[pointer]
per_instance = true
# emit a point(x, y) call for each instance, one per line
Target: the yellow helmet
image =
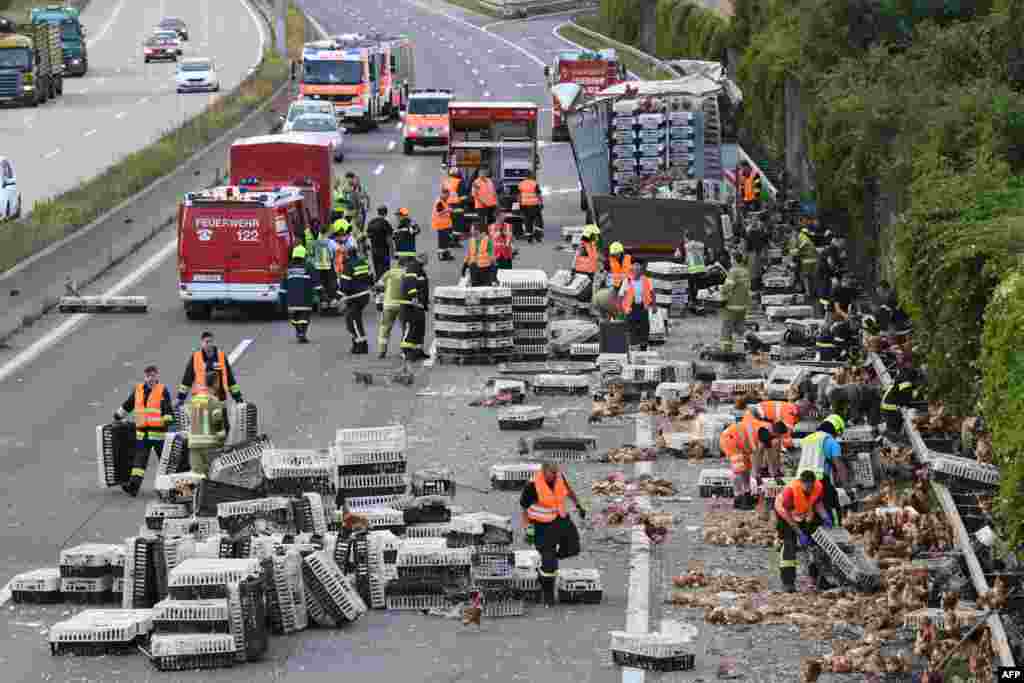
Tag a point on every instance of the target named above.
point(837, 422)
point(616, 248)
point(591, 229)
point(340, 225)
point(299, 252)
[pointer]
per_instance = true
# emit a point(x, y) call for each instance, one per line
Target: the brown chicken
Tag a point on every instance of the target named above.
point(472, 613)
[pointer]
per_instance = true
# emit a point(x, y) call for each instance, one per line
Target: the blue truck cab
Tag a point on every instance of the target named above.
point(76, 58)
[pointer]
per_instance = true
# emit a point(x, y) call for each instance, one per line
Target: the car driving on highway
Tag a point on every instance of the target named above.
point(174, 24)
point(10, 198)
point(159, 49)
point(301, 107)
point(197, 74)
point(323, 127)
point(170, 36)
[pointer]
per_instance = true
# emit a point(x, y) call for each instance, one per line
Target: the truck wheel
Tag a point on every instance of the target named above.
point(197, 311)
point(407, 148)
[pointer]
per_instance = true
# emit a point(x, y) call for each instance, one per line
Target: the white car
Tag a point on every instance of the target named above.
point(10, 198)
point(168, 36)
point(324, 127)
point(197, 74)
point(300, 107)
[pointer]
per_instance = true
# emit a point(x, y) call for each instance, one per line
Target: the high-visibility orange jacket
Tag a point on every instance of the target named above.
point(441, 218)
point(586, 258)
point(779, 411)
point(480, 251)
point(739, 441)
point(484, 196)
point(529, 193)
point(453, 184)
point(795, 505)
point(627, 296)
point(748, 188)
point(550, 503)
point(195, 375)
point(620, 268)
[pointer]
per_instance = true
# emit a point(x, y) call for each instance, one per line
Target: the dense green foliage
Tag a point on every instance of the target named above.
point(685, 28)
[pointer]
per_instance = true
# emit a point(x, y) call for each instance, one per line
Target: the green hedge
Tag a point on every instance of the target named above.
point(1002, 362)
point(685, 30)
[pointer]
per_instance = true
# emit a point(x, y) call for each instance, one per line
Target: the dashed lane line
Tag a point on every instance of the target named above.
point(379, 169)
point(89, 133)
point(50, 155)
point(392, 145)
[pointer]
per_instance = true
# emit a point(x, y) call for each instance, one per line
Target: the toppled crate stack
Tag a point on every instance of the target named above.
point(847, 560)
point(191, 651)
point(115, 450)
point(521, 418)
point(529, 289)
point(98, 632)
point(479, 529)
point(653, 651)
point(566, 333)
point(513, 476)
point(715, 483)
point(382, 549)
point(425, 568)
point(669, 280)
point(39, 586)
point(560, 449)
point(526, 578)
point(241, 465)
point(86, 573)
point(144, 574)
point(174, 455)
point(570, 292)
point(371, 462)
point(157, 512)
point(209, 494)
point(963, 473)
point(192, 616)
point(293, 472)
point(237, 519)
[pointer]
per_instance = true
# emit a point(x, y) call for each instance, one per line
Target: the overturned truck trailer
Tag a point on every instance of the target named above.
point(649, 158)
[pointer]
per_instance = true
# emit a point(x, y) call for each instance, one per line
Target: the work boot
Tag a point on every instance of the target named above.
point(788, 588)
point(133, 486)
point(303, 339)
point(547, 586)
point(383, 353)
point(362, 347)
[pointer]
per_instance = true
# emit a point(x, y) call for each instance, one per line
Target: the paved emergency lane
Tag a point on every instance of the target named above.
point(123, 104)
point(305, 394)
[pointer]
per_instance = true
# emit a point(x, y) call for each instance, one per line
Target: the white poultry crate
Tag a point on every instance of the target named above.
point(410, 555)
point(206, 614)
point(560, 384)
point(673, 391)
point(190, 651)
point(521, 417)
point(864, 471)
point(36, 586)
point(963, 471)
point(428, 530)
point(521, 278)
point(513, 475)
point(782, 379)
point(280, 463)
point(382, 517)
point(333, 590)
point(780, 299)
point(371, 439)
point(88, 559)
point(725, 388)
point(373, 481)
point(196, 572)
point(198, 527)
point(286, 600)
point(101, 631)
point(174, 487)
point(653, 651)
point(358, 503)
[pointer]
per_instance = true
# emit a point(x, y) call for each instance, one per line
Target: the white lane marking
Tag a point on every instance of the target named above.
point(398, 125)
point(89, 133)
point(638, 602)
point(259, 28)
point(50, 155)
point(475, 72)
point(392, 145)
point(237, 352)
point(62, 330)
point(143, 100)
point(379, 169)
point(467, 24)
point(120, 115)
point(106, 27)
point(458, 54)
point(562, 190)
point(101, 81)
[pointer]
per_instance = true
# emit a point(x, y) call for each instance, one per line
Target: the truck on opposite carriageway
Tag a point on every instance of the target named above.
point(31, 63)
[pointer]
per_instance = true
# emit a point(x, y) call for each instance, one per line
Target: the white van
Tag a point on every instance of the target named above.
point(10, 198)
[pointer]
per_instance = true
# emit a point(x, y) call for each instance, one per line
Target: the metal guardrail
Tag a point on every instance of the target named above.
point(524, 8)
point(963, 539)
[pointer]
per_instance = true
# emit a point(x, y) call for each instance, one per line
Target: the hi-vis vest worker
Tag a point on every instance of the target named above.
point(207, 421)
point(529, 194)
point(619, 265)
point(148, 415)
point(779, 411)
point(484, 196)
point(739, 441)
point(480, 252)
point(441, 218)
point(586, 258)
point(550, 503)
point(748, 188)
point(452, 184)
point(628, 297)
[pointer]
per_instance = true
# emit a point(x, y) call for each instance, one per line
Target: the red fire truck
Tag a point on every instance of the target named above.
point(592, 72)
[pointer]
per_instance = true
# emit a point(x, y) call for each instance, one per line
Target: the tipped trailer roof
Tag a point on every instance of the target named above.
point(694, 85)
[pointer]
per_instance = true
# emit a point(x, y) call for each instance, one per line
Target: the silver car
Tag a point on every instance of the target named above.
point(324, 127)
point(197, 74)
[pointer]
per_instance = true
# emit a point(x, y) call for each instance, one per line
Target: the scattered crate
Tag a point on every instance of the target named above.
point(245, 424)
point(864, 471)
point(241, 465)
point(646, 374)
point(92, 591)
point(433, 482)
point(428, 530)
point(103, 304)
point(427, 510)
point(937, 617)
point(202, 579)
point(652, 651)
point(89, 560)
point(101, 632)
point(479, 528)
point(178, 487)
point(585, 351)
point(333, 591)
point(156, 513)
point(296, 471)
point(174, 456)
point(426, 556)
point(582, 586)
point(39, 586)
point(572, 385)
point(513, 476)
point(564, 448)
point(309, 514)
point(715, 483)
point(419, 603)
point(382, 518)
point(361, 485)
point(366, 502)
point(247, 606)
point(673, 391)
point(390, 439)
point(521, 418)
point(851, 564)
point(612, 363)
point(236, 517)
point(115, 450)
point(786, 312)
point(963, 472)
point(192, 616)
point(727, 388)
point(199, 528)
point(177, 550)
point(782, 379)
point(189, 651)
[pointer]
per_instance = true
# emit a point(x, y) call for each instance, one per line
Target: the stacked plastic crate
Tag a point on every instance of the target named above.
point(331, 596)
point(489, 538)
point(499, 325)
point(513, 476)
point(426, 570)
point(529, 290)
point(214, 615)
point(569, 291)
point(670, 288)
point(623, 144)
point(458, 321)
point(115, 449)
point(652, 143)
point(86, 573)
point(371, 465)
point(99, 632)
point(241, 465)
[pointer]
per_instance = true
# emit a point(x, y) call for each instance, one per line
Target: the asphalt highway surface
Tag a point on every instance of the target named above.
point(304, 393)
point(122, 104)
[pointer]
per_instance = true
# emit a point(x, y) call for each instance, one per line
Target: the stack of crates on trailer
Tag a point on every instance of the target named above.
point(623, 144)
point(286, 593)
point(569, 385)
point(835, 549)
point(685, 143)
point(241, 465)
point(671, 291)
point(568, 291)
point(529, 311)
point(652, 142)
point(521, 418)
point(426, 568)
point(371, 462)
point(86, 573)
point(433, 482)
point(579, 586)
point(715, 483)
point(653, 651)
point(563, 449)
point(98, 632)
point(293, 472)
point(963, 473)
point(39, 586)
point(115, 450)
point(513, 476)
point(499, 328)
point(458, 321)
point(783, 380)
point(245, 424)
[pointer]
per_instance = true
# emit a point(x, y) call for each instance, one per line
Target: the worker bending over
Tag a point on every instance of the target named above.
point(355, 284)
point(150, 404)
point(820, 453)
point(208, 424)
point(744, 443)
point(299, 290)
point(800, 504)
point(547, 524)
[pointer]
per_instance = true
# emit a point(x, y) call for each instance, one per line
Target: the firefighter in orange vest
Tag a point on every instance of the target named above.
point(795, 510)
point(782, 411)
point(501, 236)
point(202, 360)
point(441, 220)
point(530, 205)
point(458, 191)
point(637, 296)
point(485, 197)
point(547, 524)
point(619, 267)
point(743, 444)
point(150, 403)
point(586, 257)
point(479, 258)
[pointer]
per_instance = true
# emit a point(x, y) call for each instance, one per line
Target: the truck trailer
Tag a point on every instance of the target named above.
point(74, 49)
point(31, 64)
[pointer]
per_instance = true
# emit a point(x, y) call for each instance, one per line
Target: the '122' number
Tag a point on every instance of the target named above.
point(248, 235)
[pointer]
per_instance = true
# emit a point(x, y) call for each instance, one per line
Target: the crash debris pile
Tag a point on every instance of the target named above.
point(617, 485)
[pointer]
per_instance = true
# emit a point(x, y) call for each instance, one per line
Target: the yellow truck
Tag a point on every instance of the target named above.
point(31, 64)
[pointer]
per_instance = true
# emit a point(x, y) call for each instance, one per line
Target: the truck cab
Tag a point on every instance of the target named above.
point(234, 243)
point(396, 73)
point(75, 49)
point(426, 119)
point(30, 70)
point(345, 70)
point(591, 71)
